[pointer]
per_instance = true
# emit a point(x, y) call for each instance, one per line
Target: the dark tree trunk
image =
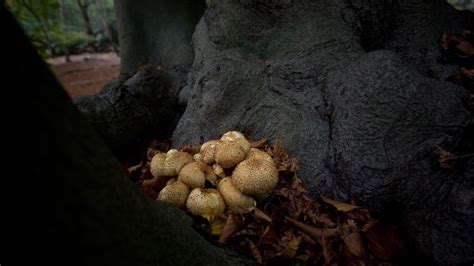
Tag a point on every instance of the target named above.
point(84, 7)
point(156, 32)
point(93, 214)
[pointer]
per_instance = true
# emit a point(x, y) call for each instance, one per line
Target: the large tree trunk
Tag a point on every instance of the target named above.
point(156, 32)
point(355, 90)
point(93, 214)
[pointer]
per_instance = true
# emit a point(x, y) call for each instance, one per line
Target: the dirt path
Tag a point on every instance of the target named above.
point(86, 74)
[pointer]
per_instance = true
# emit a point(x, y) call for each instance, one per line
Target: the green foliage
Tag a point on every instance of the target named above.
point(57, 26)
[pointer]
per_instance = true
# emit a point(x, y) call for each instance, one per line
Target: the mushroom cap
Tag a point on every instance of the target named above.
point(239, 137)
point(229, 154)
point(208, 151)
point(157, 165)
point(255, 177)
point(169, 164)
point(175, 161)
point(259, 154)
point(201, 199)
point(192, 175)
point(234, 199)
point(175, 193)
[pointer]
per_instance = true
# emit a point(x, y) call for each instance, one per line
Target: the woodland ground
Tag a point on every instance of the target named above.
point(85, 74)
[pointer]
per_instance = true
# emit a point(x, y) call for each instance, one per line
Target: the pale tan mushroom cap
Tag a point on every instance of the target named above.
point(175, 161)
point(201, 199)
point(255, 177)
point(208, 151)
point(259, 154)
point(229, 154)
point(192, 175)
point(157, 165)
point(239, 137)
point(169, 164)
point(175, 193)
point(234, 199)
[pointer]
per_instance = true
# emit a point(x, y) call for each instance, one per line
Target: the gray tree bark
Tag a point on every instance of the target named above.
point(156, 32)
point(356, 92)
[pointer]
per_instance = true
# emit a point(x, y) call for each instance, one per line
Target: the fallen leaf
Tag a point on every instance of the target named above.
point(355, 243)
point(255, 252)
point(383, 241)
point(326, 251)
point(217, 226)
point(259, 143)
point(230, 227)
point(340, 206)
point(466, 49)
point(261, 216)
point(445, 158)
point(314, 232)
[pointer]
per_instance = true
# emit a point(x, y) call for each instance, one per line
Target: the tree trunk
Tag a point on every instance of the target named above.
point(156, 32)
point(84, 7)
point(94, 215)
point(356, 91)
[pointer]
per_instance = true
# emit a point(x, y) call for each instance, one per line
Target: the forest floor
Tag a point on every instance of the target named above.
point(85, 74)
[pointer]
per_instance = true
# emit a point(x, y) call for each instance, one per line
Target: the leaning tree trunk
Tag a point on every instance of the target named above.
point(355, 90)
point(92, 213)
point(156, 32)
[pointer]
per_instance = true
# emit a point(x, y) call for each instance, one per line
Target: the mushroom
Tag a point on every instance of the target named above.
point(239, 137)
point(229, 154)
point(175, 193)
point(218, 170)
point(169, 164)
point(255, 177)
point(259, 154)
point(208, 151)
point(234, 199)
point(195, 174)
point(203, 199)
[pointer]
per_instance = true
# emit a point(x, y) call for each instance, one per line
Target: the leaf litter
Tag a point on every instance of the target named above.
point(288, 227)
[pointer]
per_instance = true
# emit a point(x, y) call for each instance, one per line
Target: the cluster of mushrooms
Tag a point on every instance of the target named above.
point(242, 175)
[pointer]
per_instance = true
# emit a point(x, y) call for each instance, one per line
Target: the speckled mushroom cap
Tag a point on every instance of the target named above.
point(239, 137)
point(157, 165)
point(208, 151)
point(229, 154)
point(259, 154)
point(175, 193)
point(201, 199)
point(169, 164)
point(234, 199)
point(255, 177)
point(192, 175)
point(195, 174)
point(175, 161)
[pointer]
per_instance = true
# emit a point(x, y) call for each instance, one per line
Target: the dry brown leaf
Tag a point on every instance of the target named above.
point(326, 251)
point(259, 143)
point(230, 227)
point(290, 246)
point(446, 158)
point(314, 232)
point(255, 252)
point(466, 48)
point(321, 218)
point(340, 206)
point(383, 241)
point(355, 243)
point(260, 216)
point(467, 73)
